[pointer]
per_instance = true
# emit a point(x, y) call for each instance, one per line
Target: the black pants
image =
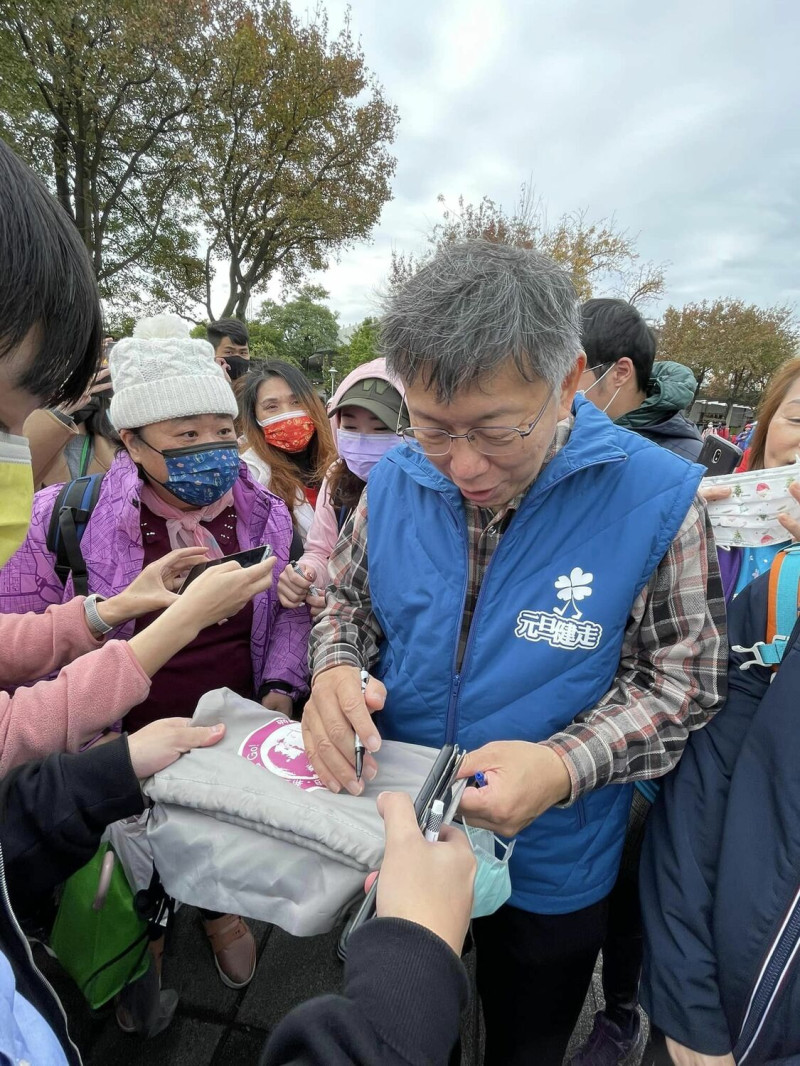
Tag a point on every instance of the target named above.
point(622, 948)
point(533, 973)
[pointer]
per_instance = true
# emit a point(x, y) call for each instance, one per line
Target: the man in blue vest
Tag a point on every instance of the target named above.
point(527, 579)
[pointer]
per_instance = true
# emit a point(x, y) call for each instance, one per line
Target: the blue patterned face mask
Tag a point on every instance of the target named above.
point(201, 473)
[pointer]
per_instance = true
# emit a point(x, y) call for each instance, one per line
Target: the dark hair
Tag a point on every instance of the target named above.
point(614, 329)
point(227, 327)
point(286, 475)
point(46, 284)
point(344, 487)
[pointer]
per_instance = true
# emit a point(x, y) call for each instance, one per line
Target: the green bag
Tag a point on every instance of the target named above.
point(100, 942)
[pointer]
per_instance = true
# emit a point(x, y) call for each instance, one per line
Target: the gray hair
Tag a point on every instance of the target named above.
point(473, 307)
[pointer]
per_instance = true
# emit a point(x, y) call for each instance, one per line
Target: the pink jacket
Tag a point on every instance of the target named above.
point(87, 696)
point(324, 530)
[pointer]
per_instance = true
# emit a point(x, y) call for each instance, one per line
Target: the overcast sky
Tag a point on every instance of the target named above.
point(679, 118)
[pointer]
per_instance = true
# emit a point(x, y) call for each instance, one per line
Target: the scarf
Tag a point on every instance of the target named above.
point(184, 527)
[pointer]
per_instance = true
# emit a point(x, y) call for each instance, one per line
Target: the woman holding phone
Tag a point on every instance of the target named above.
point(177, 482)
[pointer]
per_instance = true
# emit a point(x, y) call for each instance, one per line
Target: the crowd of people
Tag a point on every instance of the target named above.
point(496, 535)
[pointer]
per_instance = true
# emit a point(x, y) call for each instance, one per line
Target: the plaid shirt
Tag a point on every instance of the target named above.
point(673, 663)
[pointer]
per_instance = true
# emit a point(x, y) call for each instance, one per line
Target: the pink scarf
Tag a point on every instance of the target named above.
point(183, 527)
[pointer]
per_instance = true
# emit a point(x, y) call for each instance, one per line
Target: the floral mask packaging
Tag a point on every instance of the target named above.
point(748, 518)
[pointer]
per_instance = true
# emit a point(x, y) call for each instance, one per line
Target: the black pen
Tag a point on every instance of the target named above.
point(359, 745)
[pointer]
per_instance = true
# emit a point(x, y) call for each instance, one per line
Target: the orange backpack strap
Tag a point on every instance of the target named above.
point(782, 610)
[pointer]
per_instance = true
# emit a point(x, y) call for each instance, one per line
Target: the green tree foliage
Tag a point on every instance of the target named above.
point(295, 330)
point(731, 347)
point(599, 256)
point(292, 144)
point(96, 96)
point(154, 121)
point(362, 346)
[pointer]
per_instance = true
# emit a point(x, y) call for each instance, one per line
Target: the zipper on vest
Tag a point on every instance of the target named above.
point(451, 722)
point(452, 714)
point(38, 973)
point(781, 956)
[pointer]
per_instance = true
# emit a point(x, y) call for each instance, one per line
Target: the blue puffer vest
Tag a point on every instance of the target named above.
point(545, 639)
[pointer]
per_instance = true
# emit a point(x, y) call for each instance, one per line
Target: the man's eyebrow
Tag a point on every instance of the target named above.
point(499, 412)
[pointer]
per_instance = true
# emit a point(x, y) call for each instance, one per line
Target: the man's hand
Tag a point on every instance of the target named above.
point(153, 589)
point(683, 1056)
point(161, 743)
point(522, 781)
point(792, 525)
point(335, 712)
point(278, 701)
point(421, 881)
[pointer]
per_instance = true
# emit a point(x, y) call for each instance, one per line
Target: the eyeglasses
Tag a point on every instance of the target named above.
point(488, 440)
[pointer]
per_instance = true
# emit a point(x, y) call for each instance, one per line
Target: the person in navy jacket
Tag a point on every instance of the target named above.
point(720, 880)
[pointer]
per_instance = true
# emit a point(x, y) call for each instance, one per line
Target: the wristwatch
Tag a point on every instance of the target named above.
point(96, 623)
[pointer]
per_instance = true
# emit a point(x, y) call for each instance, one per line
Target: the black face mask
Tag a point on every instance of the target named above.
point(237, 366)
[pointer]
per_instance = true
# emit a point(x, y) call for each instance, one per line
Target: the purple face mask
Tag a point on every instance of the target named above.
point(361, 451)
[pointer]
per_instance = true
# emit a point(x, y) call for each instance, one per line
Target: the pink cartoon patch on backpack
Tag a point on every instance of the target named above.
point(278, 747)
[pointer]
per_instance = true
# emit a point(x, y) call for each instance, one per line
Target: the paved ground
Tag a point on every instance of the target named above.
point(216, 1026)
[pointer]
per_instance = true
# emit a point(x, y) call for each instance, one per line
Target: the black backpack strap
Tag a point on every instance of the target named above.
point(71, 512)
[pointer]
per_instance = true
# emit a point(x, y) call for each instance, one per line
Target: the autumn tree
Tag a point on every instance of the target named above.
point(599, 256)
point(96, 96)
point(293, 146)
point(732, 348)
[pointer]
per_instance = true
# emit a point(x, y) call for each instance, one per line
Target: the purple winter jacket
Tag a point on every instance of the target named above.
point(113, 550)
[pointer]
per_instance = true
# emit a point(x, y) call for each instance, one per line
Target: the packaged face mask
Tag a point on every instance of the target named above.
point(748, 518)
point(492, 876)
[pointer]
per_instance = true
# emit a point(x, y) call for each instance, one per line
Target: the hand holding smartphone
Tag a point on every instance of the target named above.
point(719, 456)
point(249, 557)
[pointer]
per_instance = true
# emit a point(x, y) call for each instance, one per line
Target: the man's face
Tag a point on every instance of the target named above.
point(227, 349)
point(504, 399)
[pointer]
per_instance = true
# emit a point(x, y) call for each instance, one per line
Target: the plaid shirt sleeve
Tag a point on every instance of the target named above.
point(672, 676)
point(347, 632)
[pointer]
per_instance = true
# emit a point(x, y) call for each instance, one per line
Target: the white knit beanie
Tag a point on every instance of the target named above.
point(161, 372)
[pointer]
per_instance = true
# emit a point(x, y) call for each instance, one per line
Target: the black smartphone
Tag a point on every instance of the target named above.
point(439, 780)
point(719, 456)
point(249, 557)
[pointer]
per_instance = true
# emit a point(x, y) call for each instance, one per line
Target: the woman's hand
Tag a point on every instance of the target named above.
point(222, 591)
point(789, 523)
point(711, 493)
point(100, 383)
point(316, 605)
point(161, 743)
point(424, 882)
point(154, 589)
point(218, 593)
point(292, 587)
point(278, 701)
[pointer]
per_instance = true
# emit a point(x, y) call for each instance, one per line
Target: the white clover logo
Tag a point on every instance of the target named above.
point(573, 589)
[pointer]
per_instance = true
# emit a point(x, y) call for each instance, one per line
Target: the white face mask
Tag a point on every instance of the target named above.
point(748, 518)
point(585, 392)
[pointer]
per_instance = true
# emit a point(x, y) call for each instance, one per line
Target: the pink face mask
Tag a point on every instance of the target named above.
point(361, 451)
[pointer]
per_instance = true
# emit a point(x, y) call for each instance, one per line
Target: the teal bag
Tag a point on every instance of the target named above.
point(98, 937)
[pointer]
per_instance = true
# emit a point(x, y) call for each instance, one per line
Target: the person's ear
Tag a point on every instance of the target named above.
point(569, 386)
point(622, 373)
point(133, 446)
